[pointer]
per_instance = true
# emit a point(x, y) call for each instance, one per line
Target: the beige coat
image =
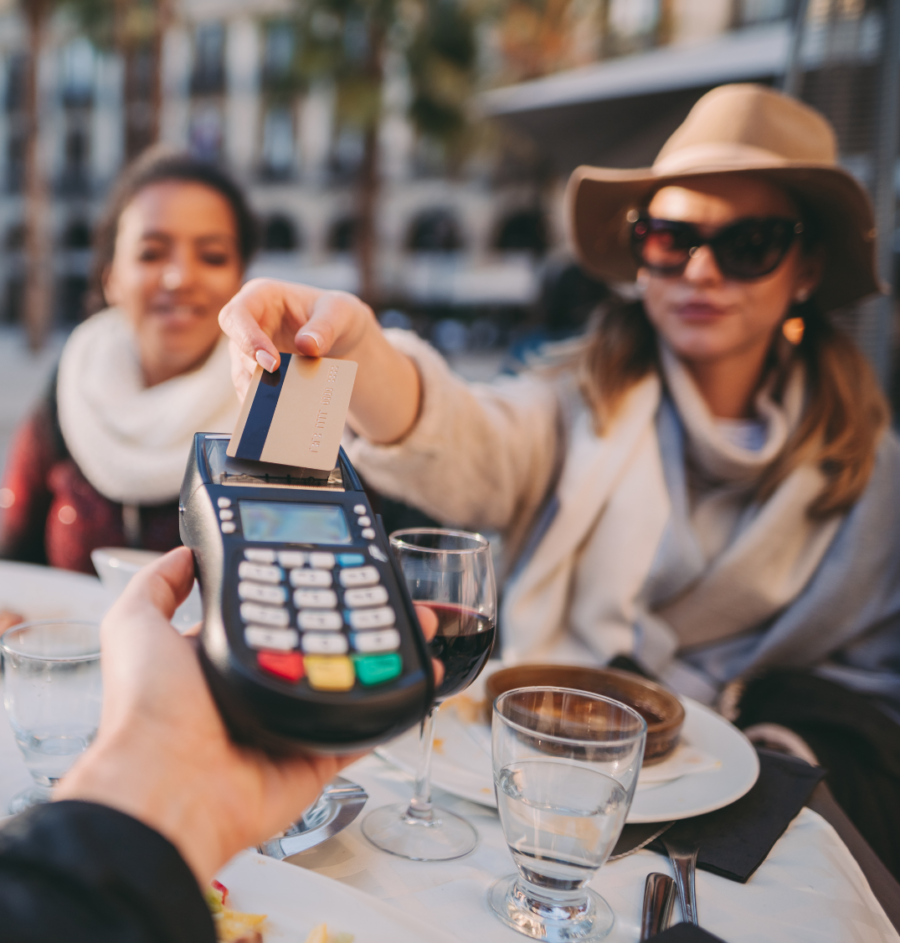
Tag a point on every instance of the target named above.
point(487, 457)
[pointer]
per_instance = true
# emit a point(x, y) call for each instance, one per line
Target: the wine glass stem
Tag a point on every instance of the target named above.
point(420, 807)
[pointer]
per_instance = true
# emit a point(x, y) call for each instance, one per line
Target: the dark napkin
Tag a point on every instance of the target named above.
point(735, 841)
point(686, 933)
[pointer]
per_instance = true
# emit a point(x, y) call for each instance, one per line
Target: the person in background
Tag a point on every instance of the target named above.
point(708, 489)
point(100, 461)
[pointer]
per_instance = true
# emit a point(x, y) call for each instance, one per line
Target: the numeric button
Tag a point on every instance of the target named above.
point(264, 615)
point(373, 596)
point(261, 592)
point(371, 618)
point(359, 576)
point(315, 598)
point(387, 640)
point(332, 643)
point(279, 640)
point(320, 619)
point(310, 578)
point(262, 574)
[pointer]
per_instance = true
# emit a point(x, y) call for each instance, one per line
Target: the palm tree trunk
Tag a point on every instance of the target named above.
point(142, 99)
point(163, 17)
point(368, 202)
point(38, 276)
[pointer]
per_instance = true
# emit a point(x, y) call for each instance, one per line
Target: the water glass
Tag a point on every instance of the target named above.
point(52, 693)
point(565, 769)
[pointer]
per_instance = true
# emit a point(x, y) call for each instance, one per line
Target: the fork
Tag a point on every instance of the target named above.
point(683, 855)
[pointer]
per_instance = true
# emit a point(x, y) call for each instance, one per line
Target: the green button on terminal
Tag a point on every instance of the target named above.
point(376, 669)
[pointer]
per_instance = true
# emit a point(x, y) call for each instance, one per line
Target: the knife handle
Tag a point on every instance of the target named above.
point(659, 898)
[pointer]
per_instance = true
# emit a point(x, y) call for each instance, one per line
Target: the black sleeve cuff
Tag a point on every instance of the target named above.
point(79, 871)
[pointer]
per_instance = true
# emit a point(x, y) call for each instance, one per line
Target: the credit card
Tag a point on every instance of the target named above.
point(295, 416)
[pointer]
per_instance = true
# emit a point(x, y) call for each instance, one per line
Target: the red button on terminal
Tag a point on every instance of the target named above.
point(286, 665)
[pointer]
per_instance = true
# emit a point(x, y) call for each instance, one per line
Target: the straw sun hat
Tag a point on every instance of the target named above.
point(736, 129)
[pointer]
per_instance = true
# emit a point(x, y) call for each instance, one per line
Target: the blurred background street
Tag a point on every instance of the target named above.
point(415, 152)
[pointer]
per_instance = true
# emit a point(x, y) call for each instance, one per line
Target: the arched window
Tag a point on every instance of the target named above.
point(435, 231)
point(15, 238)
point(522, 231)
point(77, 235)
point(344, 234)
point(280, 234)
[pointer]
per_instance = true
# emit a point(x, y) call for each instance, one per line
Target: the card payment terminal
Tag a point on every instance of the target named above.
point(309, 637)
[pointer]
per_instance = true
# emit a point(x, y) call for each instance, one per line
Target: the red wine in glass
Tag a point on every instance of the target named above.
point(463, 644)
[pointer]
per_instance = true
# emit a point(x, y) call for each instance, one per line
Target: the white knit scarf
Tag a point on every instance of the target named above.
point(131, 442)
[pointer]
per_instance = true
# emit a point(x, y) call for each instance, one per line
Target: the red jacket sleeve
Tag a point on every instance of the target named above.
point(25, 495)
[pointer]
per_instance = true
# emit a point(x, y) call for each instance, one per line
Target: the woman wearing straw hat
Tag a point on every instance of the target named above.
point(705, 485)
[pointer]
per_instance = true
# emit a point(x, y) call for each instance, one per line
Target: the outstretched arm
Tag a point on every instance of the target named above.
point(268, 316)
point(162, 753)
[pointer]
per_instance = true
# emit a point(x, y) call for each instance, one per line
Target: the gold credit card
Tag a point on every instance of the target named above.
point(295, 416)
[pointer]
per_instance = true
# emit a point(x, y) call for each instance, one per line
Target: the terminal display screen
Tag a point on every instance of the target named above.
point(279, 522)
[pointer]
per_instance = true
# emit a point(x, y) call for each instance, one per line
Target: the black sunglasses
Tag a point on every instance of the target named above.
point(745, 250)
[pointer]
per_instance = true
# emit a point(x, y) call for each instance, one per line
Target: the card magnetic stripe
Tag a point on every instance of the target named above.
point(259, 419)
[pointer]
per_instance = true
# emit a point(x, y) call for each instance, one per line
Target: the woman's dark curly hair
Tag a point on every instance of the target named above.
point(156, 165)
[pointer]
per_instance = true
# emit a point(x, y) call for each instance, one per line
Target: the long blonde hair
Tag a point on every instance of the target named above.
point(845, 416)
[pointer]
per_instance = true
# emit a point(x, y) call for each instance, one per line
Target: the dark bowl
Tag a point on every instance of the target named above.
point(660, 708)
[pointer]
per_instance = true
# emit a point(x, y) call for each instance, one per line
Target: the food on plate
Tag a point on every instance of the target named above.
point(320, 934)
point(8, 619)
point(470, 710)
point(232, 926)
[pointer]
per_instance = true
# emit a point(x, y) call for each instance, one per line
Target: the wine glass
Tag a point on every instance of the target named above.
point(450, 572)
point(565, 769)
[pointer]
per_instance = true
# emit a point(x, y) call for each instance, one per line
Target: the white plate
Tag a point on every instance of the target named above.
point(461, 765)
point(296, 900)
point(42, 592)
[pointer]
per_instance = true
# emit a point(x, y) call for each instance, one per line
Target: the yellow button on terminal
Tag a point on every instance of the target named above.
point(329, 673)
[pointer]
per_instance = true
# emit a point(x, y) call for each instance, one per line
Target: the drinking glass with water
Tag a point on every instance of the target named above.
point(565, 769)
point(52, 693)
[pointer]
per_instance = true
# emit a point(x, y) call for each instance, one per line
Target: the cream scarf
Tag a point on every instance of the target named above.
point(132, 442)
point(657, 544)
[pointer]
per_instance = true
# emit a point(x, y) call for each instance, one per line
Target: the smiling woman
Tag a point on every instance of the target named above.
point(100, 462)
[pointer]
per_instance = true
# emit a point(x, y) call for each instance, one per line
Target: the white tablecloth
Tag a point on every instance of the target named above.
point(809, 889)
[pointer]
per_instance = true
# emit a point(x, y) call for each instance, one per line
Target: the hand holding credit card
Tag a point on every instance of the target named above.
point(295, 415)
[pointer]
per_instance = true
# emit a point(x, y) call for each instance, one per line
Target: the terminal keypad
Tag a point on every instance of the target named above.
point(319, 618)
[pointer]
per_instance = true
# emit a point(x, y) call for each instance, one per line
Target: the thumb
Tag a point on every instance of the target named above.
point(164, 584)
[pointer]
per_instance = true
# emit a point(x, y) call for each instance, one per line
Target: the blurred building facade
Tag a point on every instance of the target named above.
point(602, 81)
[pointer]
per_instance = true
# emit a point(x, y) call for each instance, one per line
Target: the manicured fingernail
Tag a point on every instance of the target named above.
point(266, 360)
point(314, 338)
